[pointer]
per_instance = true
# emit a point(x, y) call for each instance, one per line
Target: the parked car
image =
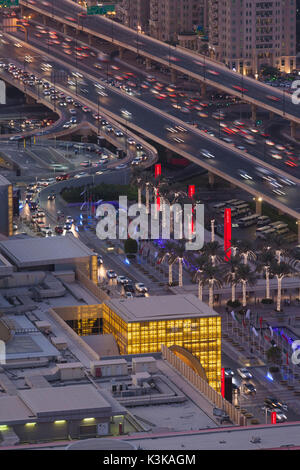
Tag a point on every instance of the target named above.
point(111, 274)
point(140, 287)
point(249, 389)
point(244, 373)
point(59, 230)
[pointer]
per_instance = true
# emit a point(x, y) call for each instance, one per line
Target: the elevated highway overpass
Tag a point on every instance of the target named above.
point(152, 123)
point(207, 71)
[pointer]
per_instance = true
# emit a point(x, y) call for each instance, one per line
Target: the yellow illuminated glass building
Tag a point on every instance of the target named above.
point(141, 325)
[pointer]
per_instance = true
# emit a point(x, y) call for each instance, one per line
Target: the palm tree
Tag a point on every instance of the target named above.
point(165, 253)
point(177, 255)
point(245, 276)
point(279, 246)
point(137, 179)
point(214, 251)
point(231, 266)
point(201, 261)
point(265, 259)
point(211, 276)
point(280, 271)
point(245, 248)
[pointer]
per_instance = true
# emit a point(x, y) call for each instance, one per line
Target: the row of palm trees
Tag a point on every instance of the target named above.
point(270, 258)
point(169, 195)
point(242, 268)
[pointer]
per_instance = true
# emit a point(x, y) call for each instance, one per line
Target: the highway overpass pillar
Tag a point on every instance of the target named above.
point(173, 76)
point(90, 39)
point(44, 20)
point(65, 28)
point(211, 179)
point(22, 11)
point(271, 115)
point(148, 63)
point(30, 100)
point(258, 204)
point(203, 90)
point(293, 129)
point(121, 52)
point(253, 112)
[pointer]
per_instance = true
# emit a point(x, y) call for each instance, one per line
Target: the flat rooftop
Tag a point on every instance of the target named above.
point(162, 307)
point(69, 400)
point(27, 252)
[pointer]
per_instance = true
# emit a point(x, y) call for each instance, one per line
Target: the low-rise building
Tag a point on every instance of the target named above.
point(142, 325)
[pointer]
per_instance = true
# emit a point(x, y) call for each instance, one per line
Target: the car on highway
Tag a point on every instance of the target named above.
point(244, 373)
point(81, 174)
point(122, 279)
point(280, 415)
point(130, 141)
point(59, 230)
point(274, 403)
point(228, 372)
point(129, 288)
point(249, 389)
point(121, 167)
point(243, 174)
point(99, 260)
point(110, 274)
point(205, 153)
point(51, 197)
point(67, 227)
point(140, 287)
point(128, 295)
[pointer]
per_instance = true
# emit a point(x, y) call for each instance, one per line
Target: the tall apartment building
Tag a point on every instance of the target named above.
point(134, 13)
point(169, 18)
point(247, 34)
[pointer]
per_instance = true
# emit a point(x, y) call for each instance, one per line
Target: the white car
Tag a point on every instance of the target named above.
point(140, 287)
point(122, 280)
point(111, 274)
point(244, 373)
point(206, 153)
point(245, 175)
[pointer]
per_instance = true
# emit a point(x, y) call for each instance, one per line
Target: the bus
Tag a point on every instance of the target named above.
point(265, 233)
point(220, 205)
point(237, 202)
point(242, 208)
point(278, 224)
point(233, 211)
point(282, 230)
point(263, 220)
point(249, 220)
point(263, 229)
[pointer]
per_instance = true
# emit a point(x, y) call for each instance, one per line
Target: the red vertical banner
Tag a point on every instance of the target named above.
point(260, 322)
point(191, 191)
point(287, 358)
point(157, 202)
point(157, 170)
point(223, 382)
point(227, 233)
point(273, 417)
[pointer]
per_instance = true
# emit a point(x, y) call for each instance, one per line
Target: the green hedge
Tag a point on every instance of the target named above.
point(107, 192)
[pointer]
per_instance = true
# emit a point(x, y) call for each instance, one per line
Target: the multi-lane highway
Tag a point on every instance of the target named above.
point(182, 60)
point(157, 94)
point(153, 123)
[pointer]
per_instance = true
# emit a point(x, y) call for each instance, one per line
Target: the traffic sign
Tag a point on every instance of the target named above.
point(99, 10)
